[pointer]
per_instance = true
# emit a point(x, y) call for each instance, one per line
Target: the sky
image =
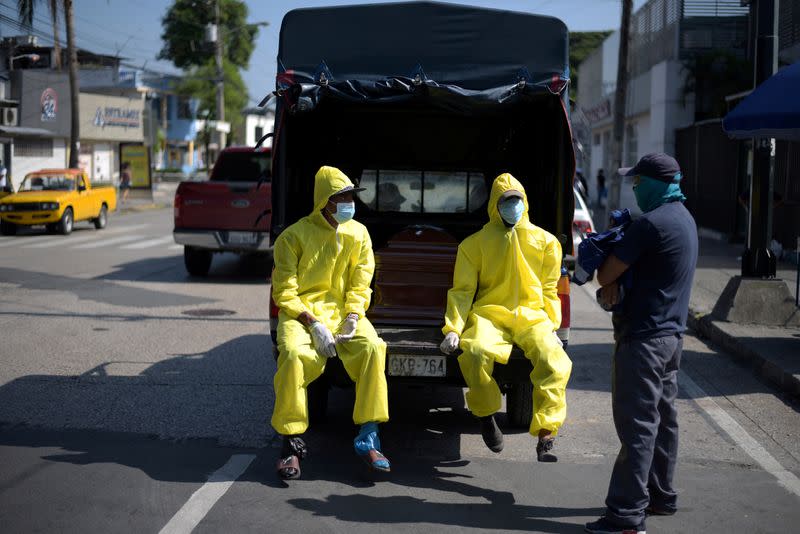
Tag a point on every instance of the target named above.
point(132, 28)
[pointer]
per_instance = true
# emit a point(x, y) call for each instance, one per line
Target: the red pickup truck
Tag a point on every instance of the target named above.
point(231, 212)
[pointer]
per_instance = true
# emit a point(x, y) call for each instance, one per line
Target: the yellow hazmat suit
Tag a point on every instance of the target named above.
point(325, 272)
point(504, 293)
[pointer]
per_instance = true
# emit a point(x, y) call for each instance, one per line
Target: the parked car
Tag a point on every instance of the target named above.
point(57, 198)
point(230, 212)
point(426, 152)
point(582, 224)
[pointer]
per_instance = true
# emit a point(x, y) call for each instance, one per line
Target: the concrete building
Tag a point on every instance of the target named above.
point(257, 122)
point(664, 35)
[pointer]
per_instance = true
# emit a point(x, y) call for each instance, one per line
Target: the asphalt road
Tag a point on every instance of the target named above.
point(136, 399)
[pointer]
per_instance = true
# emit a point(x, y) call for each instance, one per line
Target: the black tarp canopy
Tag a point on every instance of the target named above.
point(471, 48)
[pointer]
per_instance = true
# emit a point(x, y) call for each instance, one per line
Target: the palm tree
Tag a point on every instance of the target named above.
point(26, 9)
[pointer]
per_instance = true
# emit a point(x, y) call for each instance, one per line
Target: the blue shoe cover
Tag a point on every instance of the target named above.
point(368, 439)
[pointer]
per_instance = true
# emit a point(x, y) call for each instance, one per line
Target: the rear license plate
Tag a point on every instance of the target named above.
point(401, 365)
point(242, 238)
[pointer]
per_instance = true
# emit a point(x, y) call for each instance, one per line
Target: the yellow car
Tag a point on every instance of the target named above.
point(56, 198)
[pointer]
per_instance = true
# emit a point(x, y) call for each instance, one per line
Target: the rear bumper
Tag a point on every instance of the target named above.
point(423, 343)
point(220, 240)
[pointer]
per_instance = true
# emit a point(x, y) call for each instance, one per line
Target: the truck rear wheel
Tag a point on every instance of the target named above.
point(64, 226)
point(519, 405)
point(102, 218)
point(197, 261)
point(8, 228)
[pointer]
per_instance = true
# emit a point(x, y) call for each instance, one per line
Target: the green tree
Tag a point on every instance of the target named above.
point(184, 35)
point(711, 76)
point(581, 44)
point(199, 83)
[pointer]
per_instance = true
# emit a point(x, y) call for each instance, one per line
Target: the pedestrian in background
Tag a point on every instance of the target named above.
point(5, 183)
point(125, 181)
point(601, 188)
point(660, 250)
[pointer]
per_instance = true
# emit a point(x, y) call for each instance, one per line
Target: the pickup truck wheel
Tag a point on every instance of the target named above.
point(318, 400)
point(64, 226)
point(197, 261)
point(8, 228)
point(519, 405)
point(102, 219)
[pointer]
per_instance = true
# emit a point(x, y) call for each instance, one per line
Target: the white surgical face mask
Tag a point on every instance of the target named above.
point(344, 212)
point(511, 210)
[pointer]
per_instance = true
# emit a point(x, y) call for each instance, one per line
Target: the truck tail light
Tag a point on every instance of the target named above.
point(177, 208)
point(563, 295)
point(273, 308)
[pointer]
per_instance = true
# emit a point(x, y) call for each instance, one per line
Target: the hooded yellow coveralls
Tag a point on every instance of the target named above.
point(326, 272)
point(504, 292)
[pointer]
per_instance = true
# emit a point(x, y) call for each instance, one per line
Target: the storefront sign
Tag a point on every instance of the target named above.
point(117, 117)
point(598, 112)
point(139, 159)
point(49, 103)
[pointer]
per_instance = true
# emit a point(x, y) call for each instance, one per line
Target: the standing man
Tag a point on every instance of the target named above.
point(660, 248)
point(504, 292)
point(125, 181)
point(323, 268)
point(601, 187)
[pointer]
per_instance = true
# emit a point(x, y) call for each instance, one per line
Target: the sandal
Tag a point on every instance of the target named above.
point(376, 460)
point(289, 467)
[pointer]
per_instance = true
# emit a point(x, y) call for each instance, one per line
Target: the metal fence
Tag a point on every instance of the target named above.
point(676, 29)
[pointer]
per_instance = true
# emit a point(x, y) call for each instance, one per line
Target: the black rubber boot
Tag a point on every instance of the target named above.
point(492, 436)
point(544, 450)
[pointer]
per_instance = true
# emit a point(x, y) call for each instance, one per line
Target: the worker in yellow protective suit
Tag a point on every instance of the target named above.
point(504, 293)
point(323, 268)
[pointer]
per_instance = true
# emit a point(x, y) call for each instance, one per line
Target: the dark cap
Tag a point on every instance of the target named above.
point(511, 193)
point(349, 189)
point(657, 165)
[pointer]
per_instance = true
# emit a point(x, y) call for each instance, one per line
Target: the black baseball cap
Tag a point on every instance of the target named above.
point(657, 165)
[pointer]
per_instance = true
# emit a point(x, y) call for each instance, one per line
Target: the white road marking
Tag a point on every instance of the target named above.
point(82, 237)
point(110, 241)
point(21, 241)
point(728, 424)
point(150, 243)
point(202, 500)
point(176, 247)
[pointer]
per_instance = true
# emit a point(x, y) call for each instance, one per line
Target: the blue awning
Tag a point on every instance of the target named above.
point(771, 110)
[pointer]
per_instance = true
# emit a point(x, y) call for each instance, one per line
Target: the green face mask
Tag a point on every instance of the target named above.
point(651, 193)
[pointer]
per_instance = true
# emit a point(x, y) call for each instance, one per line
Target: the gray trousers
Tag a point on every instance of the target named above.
point(644, 388)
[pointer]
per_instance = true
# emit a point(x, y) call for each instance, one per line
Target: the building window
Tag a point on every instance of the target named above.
point(184, 109)
point(632, 145)
point(33, 148)
point(596, 139)
point(259, 132)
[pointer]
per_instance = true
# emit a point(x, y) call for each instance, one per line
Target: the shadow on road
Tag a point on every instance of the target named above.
point(225, 268)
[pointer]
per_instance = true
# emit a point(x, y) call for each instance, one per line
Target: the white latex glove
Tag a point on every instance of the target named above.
point(323, 340)
point(450, 343)
point(560, 343)
point(348, 328)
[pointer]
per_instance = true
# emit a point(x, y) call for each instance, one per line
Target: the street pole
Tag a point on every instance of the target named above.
point(758, 261)
point(75, 128)
point(220, 77)
point(619, 108)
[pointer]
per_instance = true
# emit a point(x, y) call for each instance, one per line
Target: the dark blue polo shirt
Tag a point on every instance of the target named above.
point(661, 249)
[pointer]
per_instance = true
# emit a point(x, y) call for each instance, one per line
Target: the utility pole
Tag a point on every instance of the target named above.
point(220, 77)
point(758, 260)
point(75, 126)
point(619, 107)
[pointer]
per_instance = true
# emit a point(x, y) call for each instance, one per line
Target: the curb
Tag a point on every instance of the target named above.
point(704, 326)
point(144, 207)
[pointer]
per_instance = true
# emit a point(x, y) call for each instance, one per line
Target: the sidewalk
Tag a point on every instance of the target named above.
point(774, 352)
point(161, 196)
